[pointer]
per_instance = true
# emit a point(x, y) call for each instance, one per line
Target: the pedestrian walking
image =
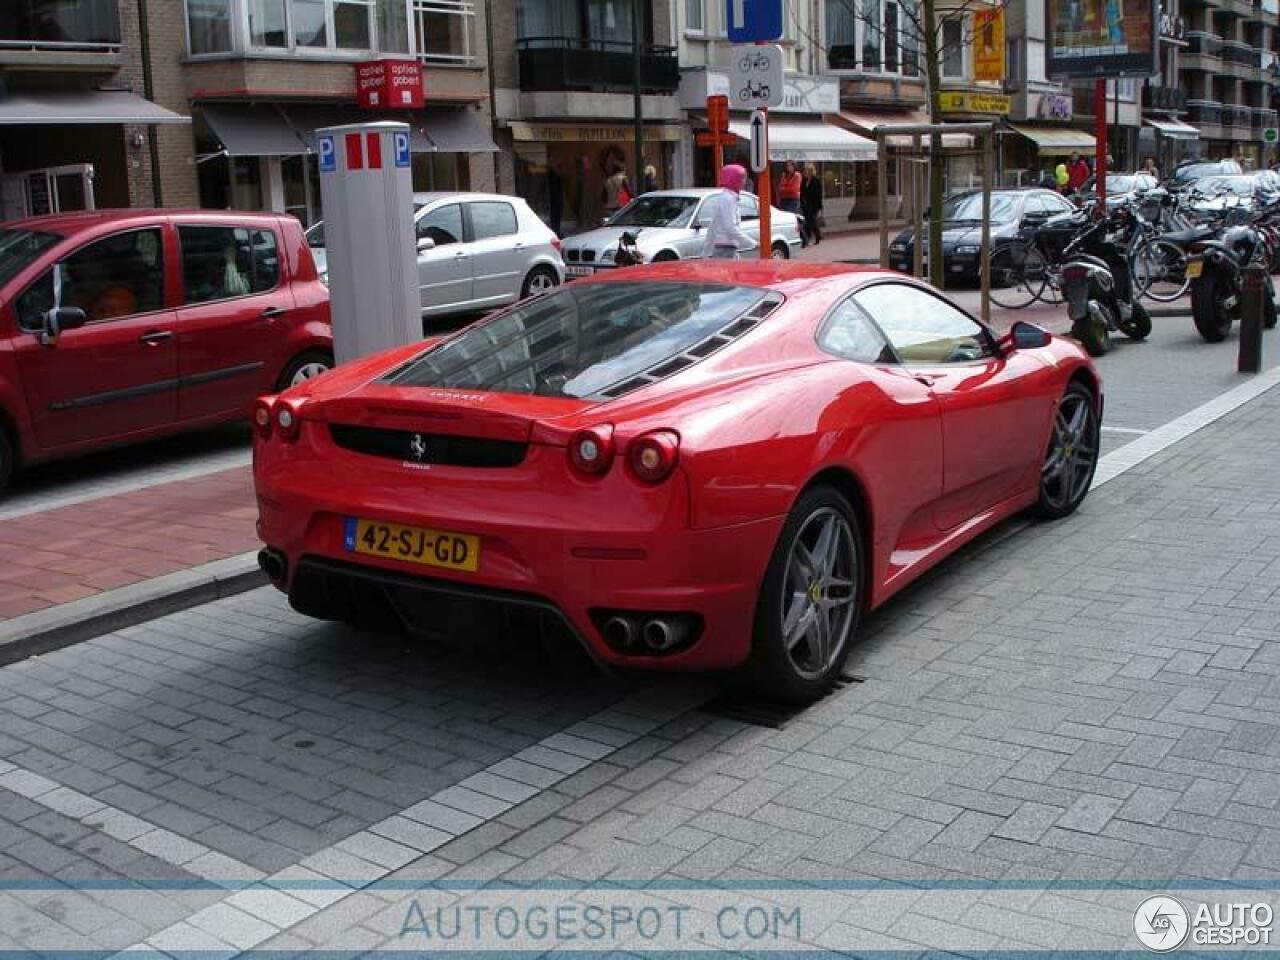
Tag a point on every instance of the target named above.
point(789, 191)
point(724, 237)
point(650, 178)
point(811, 205)
point(616, 192)
point(1077, 172)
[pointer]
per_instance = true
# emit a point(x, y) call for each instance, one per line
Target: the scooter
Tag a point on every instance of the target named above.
point(628, 253)
point(1214, 269)
point(1098, 286)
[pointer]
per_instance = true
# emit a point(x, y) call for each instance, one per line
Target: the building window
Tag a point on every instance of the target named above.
point(209, 26)
point(442, 30)
point(872, 34)
point(693, 21)
point(891, 37)
point(353, 24)
point(910, 38)
point(87, 22)
point(268, 23)
point(953, 49)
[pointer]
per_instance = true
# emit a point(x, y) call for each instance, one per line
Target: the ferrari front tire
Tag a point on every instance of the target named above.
point(810, 600)
point(1071, 455)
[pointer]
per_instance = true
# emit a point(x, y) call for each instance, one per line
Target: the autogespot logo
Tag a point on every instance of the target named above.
point(1161, 924)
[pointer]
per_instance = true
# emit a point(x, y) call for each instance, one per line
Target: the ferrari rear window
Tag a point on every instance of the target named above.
point(587, 339)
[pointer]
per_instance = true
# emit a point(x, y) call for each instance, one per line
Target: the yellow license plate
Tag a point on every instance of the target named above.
point(1194, 269)
point(395, 541)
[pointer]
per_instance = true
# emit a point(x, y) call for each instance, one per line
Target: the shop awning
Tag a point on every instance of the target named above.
point(273, 130)
point(83, 107)
point(1058, 141)
point(1175, 129)
point(865, 122)
point(809, 142)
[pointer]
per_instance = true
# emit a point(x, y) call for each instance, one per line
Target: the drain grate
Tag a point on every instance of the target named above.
point(769, 713)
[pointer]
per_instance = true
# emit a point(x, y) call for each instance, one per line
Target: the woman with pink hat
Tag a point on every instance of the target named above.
point(724, 237)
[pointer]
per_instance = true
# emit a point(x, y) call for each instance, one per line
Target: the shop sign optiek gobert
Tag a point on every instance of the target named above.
point(967, 101)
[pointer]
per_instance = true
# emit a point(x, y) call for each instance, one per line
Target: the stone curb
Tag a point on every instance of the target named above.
point(69, 623)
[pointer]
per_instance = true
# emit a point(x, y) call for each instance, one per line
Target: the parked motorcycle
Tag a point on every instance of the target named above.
point(628, 253)
point(1214, 269)
point(1097, 284)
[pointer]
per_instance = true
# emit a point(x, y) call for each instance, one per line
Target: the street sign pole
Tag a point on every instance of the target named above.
point(1100, 141)
point(763, 190)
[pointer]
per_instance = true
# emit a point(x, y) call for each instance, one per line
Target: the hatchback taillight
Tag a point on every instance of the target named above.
point(591, 451)
point(653, 456)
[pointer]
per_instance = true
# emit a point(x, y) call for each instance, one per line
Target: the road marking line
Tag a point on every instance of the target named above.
point(1132, 430)
point(1120, 461)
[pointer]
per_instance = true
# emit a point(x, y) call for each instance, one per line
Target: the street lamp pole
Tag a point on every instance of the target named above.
point(637, 185)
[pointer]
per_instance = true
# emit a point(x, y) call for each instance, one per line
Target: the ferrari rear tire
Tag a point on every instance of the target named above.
point(1071, 456)
point(810, 600)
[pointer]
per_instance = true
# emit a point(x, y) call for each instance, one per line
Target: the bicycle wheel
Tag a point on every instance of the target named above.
point(1169, 279)
point(1051, 292)
point(1143, 266)
point(1017, 275)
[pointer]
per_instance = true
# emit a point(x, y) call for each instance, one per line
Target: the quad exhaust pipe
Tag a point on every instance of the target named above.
point(619, 633)
point(661, 635)
point(273, 564)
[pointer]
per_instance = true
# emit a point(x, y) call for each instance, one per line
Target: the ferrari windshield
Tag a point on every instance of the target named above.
point(654, 211)
point(580, 339)
point(19, 247)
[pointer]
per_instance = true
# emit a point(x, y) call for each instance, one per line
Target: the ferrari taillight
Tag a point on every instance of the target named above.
point(653, 456)
point(262, 416)
point(591, 450)
point(286, 421)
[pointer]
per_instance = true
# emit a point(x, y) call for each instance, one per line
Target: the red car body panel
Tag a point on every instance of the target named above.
point(933, 457)
point(175, 368)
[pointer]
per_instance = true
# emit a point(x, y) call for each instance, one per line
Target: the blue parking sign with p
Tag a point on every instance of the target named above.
point(401, 141)
point(328, 154)
point(751, 21)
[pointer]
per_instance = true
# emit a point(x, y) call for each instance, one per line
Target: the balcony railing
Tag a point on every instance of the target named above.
point(1205, 111)
point(1205, 44)
point(1233, 51)
point(91, 26)
point(1263, 117)
point(1236, 116)
point(1164, 98)
point(575, 63)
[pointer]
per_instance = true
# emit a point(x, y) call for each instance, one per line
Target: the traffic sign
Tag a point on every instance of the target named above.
point(1270, 135)
point(751, 21)
point(759, 152)
point(401, 141)
point(755, 76)
point(328, 155)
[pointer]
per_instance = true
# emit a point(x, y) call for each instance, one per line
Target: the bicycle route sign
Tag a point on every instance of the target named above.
point(755, 77)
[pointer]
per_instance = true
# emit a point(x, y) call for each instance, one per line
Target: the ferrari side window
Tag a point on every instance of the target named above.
point(924, 328)
point(848, 333)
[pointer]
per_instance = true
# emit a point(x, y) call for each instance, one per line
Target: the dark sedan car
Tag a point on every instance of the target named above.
point(1011, 210)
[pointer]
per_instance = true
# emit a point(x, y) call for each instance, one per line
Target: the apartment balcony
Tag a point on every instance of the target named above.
point(1205, 111)
point(598, 66)
point(1172, 99)
point(1234, 115)
point(1203, 52)
point(1263, 117)
point(53, 34)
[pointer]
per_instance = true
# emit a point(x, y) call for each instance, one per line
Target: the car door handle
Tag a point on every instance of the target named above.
point(270, 313)
point(155, 337)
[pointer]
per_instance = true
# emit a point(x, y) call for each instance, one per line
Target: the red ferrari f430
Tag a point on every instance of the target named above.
point(685, 466)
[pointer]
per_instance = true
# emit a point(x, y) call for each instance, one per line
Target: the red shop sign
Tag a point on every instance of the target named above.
point(389, 84)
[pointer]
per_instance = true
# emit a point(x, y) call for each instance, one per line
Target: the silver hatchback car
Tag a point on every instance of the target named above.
point(476, 251)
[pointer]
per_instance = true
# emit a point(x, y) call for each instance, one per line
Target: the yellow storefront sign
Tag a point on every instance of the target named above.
point(988, 46)
point(965, 101)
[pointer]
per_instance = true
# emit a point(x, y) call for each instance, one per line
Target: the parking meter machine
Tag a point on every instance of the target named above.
point(367, 189)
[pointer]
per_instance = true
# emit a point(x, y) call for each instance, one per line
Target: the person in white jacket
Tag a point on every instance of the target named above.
point(724, 236)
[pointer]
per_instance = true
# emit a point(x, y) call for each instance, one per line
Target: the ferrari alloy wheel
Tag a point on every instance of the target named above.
point(810, 599)
point(1072, 455)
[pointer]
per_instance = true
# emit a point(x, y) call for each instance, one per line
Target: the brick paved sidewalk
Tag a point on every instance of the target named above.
point(68, 553)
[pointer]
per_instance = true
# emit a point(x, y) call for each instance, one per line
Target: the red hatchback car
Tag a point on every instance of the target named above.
point(120, 325)
point(688, 465)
